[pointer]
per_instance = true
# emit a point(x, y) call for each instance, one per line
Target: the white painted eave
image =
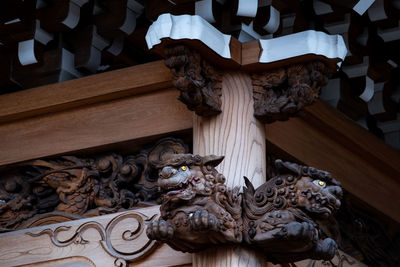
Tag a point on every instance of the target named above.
point(331, 48)
point(190, 28)
point(303, 43)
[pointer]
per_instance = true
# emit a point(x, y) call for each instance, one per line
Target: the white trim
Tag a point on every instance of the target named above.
point(362, 6)
point(247, 8)
point(191, 28)
point(274, 20)
point(26, 52)
point(303, 43)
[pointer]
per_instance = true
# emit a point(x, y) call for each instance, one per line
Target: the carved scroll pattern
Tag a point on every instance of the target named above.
point(198, 81)
point(105, 237)
point(71, 187)
point(283, 92)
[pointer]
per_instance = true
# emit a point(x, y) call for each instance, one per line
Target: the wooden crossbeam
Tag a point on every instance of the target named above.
point(86, 115)
point(326, 139)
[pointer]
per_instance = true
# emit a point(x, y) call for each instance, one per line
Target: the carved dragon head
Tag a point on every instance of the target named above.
point(183, 176)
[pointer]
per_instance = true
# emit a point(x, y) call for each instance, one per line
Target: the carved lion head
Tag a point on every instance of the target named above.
point(183, 176)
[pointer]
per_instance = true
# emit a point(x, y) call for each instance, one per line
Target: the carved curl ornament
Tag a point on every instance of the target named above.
point(281, 93)
point(279, 218)
point(198, 82)
point(69, 187)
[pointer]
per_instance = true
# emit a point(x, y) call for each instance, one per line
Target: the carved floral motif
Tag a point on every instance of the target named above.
point(81, 186)
point(279, 218)
point(198, 82)
point(281, 93)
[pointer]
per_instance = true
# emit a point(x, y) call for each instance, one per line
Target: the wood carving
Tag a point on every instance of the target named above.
point(198, 82)
point(198, 210)
point(81, 186)
point(283, 92)
point(105, 233)
point(365, 237)
point(281, 217)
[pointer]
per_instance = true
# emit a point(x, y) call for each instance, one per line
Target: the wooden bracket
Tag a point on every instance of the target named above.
point(289, 69)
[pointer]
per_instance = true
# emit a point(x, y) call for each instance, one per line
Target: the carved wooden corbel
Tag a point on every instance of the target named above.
point(281, 218)
point(282, 93)
point(198, 210)
point(198, 82)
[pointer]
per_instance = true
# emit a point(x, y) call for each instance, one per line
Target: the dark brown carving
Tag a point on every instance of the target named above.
point(82, 186)
point(280, 217)
point(198, 210)
point(363, 235)
point(281, 93)
point(198, 82)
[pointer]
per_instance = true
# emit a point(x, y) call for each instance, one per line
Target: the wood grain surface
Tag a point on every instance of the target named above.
point(93, 125)
point(238, 136)
point(80, 92)
point(235, 133)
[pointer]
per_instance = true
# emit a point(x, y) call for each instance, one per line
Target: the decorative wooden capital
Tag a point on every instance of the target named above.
point(283, 92)
point(287, 72)
point(282, 217)
point(198, 82)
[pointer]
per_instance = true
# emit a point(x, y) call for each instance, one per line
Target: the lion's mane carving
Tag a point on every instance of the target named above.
point(280, 216)
point(197, 209)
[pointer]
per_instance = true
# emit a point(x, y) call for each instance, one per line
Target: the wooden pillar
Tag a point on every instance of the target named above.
point(237, 135)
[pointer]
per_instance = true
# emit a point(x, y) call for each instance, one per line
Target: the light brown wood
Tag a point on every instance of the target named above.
point(100, 87)
point(18, 248)
point(325, 139)
point(237, 135)
point(228, 256)
point(93, 125)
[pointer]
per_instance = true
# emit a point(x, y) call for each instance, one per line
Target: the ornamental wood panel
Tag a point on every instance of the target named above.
point(107, 240)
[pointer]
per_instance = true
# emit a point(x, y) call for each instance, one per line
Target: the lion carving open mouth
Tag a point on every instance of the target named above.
point(279, 217)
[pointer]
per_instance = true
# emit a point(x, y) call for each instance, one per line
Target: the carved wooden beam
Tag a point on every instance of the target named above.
point(80, 187)
point(90, 242)
point(135, 250)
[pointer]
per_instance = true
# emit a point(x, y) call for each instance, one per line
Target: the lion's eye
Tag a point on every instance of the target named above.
point(183, 168)
point(320, 183)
